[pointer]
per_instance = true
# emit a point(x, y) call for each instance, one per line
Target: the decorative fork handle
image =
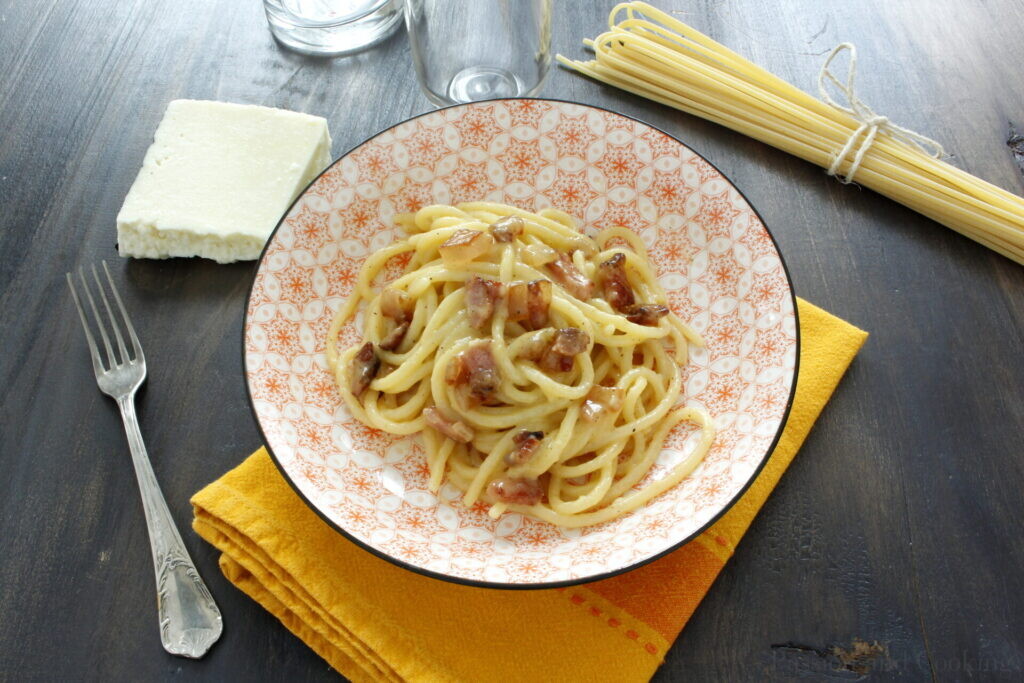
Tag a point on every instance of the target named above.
point(190, 621)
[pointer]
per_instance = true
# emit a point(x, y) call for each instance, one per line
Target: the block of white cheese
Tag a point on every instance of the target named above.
point(218, 178)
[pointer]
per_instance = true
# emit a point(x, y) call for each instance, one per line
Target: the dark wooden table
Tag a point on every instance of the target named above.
point(900, 523)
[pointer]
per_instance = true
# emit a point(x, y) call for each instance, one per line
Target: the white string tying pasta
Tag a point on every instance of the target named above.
point(870, 122)
point(587, 463)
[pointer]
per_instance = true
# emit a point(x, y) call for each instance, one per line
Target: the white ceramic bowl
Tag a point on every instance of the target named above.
point(717, 261)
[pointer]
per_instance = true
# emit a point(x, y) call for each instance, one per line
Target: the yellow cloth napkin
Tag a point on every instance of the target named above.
point(374, 621)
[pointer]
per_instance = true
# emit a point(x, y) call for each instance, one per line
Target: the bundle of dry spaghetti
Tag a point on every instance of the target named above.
point(652, 54)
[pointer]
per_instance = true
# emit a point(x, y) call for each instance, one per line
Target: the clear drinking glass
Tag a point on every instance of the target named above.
point(332, 27)
point(467, 50)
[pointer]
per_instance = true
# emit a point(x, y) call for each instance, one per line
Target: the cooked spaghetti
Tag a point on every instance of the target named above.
point(540, 364)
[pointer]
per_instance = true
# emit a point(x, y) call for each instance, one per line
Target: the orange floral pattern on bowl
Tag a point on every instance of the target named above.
point(716, 260)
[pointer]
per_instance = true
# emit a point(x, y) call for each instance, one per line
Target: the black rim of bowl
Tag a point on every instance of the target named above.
point(550, 584)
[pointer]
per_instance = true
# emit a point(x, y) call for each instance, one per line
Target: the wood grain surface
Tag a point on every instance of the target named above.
point(892, 548)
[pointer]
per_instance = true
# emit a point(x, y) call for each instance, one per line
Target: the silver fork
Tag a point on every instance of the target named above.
point(189, 619)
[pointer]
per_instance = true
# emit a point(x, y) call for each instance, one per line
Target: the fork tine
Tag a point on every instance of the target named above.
point(111, 361)
point(110, 315)
point(136, 346)
point(94, 352)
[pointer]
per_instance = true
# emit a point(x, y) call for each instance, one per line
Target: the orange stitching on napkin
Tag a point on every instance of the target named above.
point(663, 594)
point(578, 599)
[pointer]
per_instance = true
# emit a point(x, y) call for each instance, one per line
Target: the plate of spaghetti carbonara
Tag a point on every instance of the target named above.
point(521, 343)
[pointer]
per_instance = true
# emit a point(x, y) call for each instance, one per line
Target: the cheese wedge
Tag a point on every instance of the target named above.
point(217, 179)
